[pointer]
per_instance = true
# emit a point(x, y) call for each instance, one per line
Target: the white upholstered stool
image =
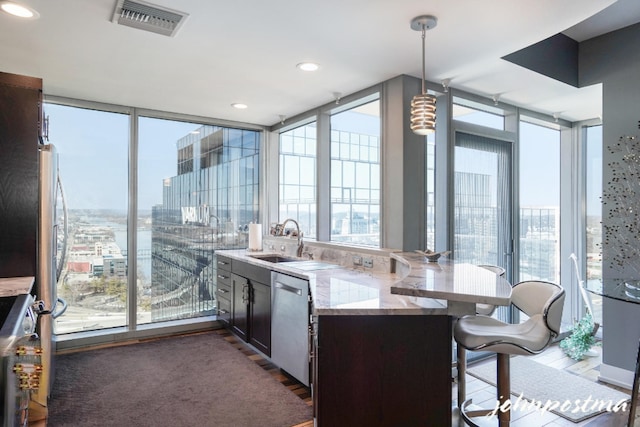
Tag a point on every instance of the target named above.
point(485, 310)
point(543, 303)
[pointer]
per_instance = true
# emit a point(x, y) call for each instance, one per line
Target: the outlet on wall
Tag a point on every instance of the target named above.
point(357, 260)
point(368, 262)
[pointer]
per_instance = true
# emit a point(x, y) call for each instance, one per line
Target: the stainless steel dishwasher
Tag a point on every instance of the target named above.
point(290, 325)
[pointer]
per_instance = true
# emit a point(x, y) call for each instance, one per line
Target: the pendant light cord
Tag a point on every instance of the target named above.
point(424, 30)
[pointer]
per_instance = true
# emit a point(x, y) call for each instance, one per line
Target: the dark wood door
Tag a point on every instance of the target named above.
point(260, 317)
point(240, 306)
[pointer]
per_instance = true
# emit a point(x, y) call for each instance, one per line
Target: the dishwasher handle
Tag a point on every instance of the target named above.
point(280, 285)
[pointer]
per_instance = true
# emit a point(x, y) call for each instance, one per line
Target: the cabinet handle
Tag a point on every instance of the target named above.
point(222, 263)
point(221, 276)
point(222, 291)
point(246, 294)
point(223, 311)
point(310, 343)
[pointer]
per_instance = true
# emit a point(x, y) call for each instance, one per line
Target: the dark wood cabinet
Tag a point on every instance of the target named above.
point(240, 316)
point(382, 370)
point(251, 304)
point(260, 317)
point(20, 127)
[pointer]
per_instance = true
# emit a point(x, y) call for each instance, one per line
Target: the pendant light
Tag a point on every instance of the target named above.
point(423, 106)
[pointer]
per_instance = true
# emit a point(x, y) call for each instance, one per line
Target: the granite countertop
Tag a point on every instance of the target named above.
point(460, 282)
point(350, 291)
point(12, 286)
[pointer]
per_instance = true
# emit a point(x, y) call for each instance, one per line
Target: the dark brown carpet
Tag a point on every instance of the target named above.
point(195, 380)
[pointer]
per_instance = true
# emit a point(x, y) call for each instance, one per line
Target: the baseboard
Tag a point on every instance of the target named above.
point(79, 341)
point(616, 376)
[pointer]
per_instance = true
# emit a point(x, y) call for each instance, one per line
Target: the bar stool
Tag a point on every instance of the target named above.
point(543, 303)
point(485, 310)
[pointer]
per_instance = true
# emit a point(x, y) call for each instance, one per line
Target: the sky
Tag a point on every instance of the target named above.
point(93, 156)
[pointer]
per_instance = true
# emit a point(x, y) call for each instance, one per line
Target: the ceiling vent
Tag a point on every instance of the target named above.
point(149, 17)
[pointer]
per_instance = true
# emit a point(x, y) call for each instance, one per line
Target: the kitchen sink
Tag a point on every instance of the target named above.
point(273, 258)
point(306, 265)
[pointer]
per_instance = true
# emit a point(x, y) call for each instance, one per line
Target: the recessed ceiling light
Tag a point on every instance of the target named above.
point(239, 106)
point(19, 10)
point(308, 66)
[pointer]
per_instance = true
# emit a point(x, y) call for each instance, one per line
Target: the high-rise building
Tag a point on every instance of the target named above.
point(207, 206)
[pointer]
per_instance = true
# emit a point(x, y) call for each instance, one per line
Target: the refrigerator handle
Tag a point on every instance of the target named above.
point(65, 226)
point(57, 313)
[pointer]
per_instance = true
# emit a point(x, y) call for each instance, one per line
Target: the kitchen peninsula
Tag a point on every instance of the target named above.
point(382, 340)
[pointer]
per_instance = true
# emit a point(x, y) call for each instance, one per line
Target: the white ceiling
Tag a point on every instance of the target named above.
point(246, 51)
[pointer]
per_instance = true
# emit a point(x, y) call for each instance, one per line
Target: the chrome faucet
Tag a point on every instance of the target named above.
point(300, 242)
point(300, 245)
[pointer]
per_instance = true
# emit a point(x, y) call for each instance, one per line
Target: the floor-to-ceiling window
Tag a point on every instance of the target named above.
point(483, 187)
point(593, 204)
point(482, 193)
point(197, 191)
point(355, 175)
point(297, 177)
point(160, 159)
point(539, 182)
point(93, 151)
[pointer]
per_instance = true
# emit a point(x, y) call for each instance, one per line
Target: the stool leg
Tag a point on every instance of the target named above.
point(504, 388)
point(462, 371)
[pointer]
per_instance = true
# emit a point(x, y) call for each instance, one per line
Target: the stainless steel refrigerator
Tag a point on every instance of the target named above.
point(52, 232)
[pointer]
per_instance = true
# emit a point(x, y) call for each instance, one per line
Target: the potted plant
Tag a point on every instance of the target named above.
point(582, 338)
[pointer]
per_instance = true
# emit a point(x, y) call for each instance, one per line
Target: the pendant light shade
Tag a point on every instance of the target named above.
point(423, 114)
point(423, 106)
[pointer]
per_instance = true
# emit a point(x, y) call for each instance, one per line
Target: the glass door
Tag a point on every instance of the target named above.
point(482, 207)
point(483, 203)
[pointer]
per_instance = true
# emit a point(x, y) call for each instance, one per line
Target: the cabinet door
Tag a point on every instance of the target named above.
point(240, 306)
point(260, 312)
point(19, 117)
point(379, 365)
